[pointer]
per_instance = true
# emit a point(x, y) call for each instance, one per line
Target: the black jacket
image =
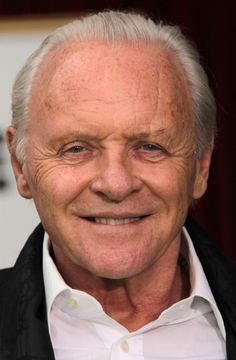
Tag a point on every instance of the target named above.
point(23, 322)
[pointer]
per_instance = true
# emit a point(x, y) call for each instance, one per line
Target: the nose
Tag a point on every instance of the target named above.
point(115, 180)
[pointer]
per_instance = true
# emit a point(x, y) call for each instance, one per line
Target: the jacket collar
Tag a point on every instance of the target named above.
point(221, 275)
point(24, 331)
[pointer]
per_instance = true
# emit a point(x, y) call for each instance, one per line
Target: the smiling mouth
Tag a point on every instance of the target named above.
point(114, 221)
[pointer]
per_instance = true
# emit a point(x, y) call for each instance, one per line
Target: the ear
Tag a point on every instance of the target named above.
point(202, 172)
point(17, 166)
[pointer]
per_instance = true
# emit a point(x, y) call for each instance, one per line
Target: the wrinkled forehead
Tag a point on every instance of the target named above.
point(113, 74)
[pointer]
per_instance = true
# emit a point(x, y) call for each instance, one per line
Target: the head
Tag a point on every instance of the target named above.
point(114, 27)
point(113, 126)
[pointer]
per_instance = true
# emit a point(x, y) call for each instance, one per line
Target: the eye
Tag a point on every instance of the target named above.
point(75, 149)
point(77, 153)
point(151, 147)
point(151, 152)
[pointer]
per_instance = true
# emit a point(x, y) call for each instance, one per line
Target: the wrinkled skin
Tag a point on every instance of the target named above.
point(110, 135)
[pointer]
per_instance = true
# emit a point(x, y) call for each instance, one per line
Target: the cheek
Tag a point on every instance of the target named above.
point(171, 177)
point(171, 182)
point(56, 188)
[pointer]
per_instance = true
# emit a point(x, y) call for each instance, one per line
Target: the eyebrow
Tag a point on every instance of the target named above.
point(84, 136)
point(73, 136)
point(146, 134)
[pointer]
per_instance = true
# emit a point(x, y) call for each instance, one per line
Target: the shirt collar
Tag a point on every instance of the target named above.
point(55, 284)
point(199, 283)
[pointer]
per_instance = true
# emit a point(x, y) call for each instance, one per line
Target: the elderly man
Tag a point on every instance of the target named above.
point(112, 135)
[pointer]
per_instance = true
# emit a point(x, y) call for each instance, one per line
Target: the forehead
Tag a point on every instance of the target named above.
point(100, 77)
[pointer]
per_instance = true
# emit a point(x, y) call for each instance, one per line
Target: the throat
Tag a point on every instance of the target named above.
point(147, 307)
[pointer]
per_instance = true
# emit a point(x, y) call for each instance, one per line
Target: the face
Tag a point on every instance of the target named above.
point(110, 156)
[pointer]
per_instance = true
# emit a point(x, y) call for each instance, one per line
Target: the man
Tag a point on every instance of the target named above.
point(112, 135)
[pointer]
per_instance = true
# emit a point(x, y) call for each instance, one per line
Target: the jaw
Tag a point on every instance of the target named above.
point(110, 251)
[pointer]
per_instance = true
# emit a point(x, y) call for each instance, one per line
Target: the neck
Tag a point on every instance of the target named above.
point(134, 301)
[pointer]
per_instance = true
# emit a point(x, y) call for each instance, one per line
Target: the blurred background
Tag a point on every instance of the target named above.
point(210, 24)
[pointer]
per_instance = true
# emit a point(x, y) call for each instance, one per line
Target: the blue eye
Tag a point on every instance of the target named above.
point(76, 149)
point(150, 147)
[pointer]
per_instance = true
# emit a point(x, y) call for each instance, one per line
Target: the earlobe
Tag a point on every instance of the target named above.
point(23, 186)
point(200, 187)
point(18, 168)
point(202, 173)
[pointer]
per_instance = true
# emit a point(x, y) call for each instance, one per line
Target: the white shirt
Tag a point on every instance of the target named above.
point(79, 328)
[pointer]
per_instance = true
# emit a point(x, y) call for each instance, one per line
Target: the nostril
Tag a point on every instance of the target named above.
point(111, 197)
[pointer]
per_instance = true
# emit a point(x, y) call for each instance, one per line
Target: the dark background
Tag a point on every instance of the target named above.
point(211, 25)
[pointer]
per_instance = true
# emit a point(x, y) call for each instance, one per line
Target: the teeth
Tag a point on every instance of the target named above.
point(111, 221)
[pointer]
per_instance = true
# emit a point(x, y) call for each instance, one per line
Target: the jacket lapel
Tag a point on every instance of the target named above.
point(24, 331)
point(23, 327)
point(221, 275)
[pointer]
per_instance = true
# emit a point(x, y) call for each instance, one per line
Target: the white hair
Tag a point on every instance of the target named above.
point(115, 27)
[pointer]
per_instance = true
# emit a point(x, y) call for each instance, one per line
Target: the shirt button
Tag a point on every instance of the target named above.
point(124, 346)
point(72, 303)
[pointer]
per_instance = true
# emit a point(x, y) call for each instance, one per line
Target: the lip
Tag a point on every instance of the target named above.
point(114, 215)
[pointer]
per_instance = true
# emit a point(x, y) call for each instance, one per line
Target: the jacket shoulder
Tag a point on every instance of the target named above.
point(4, 275)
